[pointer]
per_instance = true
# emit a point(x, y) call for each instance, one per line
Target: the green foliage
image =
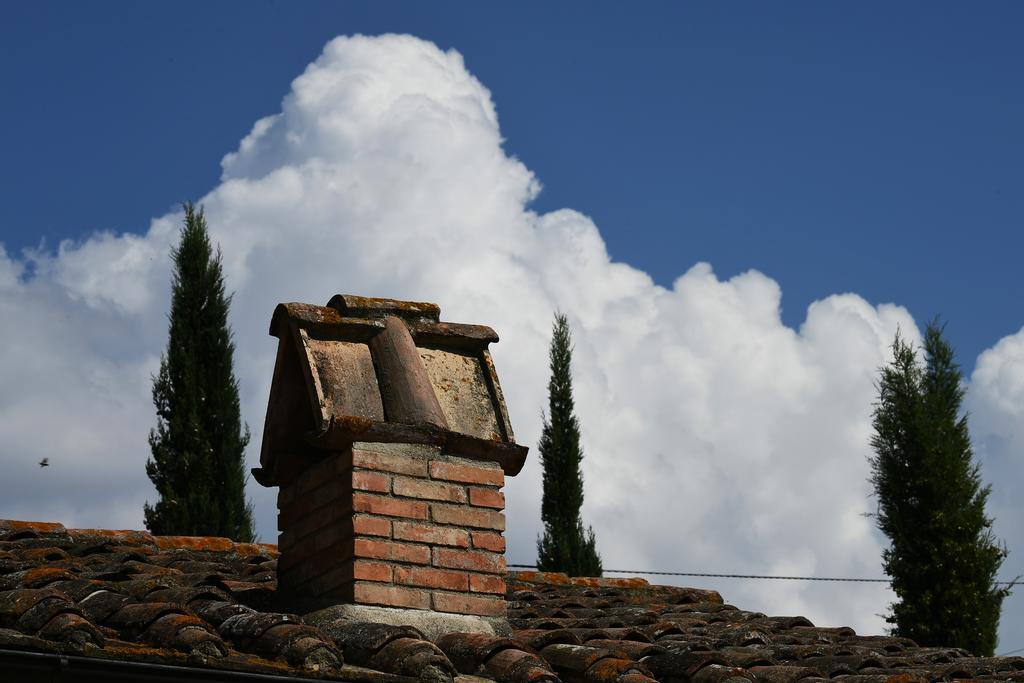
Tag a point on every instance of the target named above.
point(564, 547)
point(943, 558)
point(198, 446)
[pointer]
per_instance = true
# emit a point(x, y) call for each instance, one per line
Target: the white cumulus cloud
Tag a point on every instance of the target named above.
point(995, 400)
point(716, 437)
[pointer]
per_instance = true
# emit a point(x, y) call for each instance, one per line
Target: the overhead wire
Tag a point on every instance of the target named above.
point(762, 576)
point(743, 576)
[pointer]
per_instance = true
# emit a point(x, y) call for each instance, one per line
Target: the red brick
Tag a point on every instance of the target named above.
point(316, 564)
point(345, 572)
point(293, 553)
point(337, 583)
point(392, 596)
point(306, 507)
point(286, 540)
point(371, 481)
point(330, 492)
point(466, 516)
point(388, 550)
point(469, 474)
point(314, 476)
point(372, 571)
point(432, 578)
point(485, 540)
point(331, 534)
point(285, 494)
point(318, 521)
point(307, 481)
point(482, 583)
point(461, 603)
point(337, 555)
point(286, 517)
point(430, 490)
point(488, 498)
point(295, 574)
point(390, 462)
point(324, 583)
point(365, 525)
point(289, 513)
point(429, 533)
point(474, 560)
point(301, 528)
point(391, 507)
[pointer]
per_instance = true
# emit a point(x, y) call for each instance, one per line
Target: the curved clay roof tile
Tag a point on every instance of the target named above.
point(361, 640)
point(185, 632)
point(73, 629)
point(414, 657)
point(469, 652)
point(519, 666)
point(131, 620)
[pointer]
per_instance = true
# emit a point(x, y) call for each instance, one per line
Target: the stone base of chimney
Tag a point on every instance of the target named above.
point(431, 624)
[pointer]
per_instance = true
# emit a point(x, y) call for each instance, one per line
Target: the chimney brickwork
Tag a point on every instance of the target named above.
point(407, 527)
point(388, 436)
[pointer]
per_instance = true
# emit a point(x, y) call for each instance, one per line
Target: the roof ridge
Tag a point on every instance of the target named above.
point(15, 527)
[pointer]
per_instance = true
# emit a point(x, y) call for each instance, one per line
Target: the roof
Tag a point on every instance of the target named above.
point(205, 609)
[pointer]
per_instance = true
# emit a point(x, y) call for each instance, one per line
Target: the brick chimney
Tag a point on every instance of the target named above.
point(387, 434)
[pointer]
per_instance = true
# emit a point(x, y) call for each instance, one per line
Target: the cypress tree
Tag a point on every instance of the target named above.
point(563, 547)
point(198, 445)
point(943, 558)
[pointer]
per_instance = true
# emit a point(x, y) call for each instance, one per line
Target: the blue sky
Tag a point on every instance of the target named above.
point(836, 147)
point(847, 156)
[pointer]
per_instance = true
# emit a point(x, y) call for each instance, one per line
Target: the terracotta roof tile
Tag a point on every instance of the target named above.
point(504, 659)
point(519, 666)
point(410, 657)
point(126, 596)
point(698, 637)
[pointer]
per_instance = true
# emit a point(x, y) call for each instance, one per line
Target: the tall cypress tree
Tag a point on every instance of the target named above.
point(943, 557)
point(198, 445)
point(564, 547)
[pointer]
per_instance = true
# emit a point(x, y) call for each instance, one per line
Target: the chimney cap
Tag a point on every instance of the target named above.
point(351, 370)
point(353, 306)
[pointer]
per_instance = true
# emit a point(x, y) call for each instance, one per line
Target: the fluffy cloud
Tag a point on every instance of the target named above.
point(716, 438)
point(996, 402)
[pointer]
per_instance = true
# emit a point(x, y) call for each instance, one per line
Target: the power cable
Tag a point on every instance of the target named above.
point(742, 576)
